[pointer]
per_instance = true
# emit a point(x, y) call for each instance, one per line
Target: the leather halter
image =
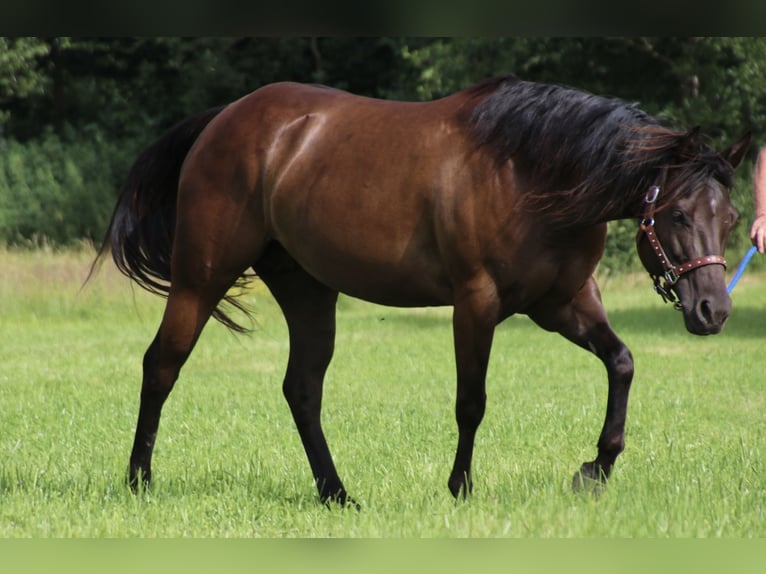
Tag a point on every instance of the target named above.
point(671, 273)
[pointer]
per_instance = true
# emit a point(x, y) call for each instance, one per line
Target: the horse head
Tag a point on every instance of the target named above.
point(682, 237)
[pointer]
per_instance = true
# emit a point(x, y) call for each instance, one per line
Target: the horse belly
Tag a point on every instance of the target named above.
point(356, 267)
point(365, 253)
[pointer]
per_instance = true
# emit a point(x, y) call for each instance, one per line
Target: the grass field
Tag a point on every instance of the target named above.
point(228, 462)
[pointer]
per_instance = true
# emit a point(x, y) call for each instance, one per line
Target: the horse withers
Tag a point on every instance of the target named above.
point(493, 200)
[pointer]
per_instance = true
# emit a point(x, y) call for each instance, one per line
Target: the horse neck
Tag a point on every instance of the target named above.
point(600, 203)
point(625, 197)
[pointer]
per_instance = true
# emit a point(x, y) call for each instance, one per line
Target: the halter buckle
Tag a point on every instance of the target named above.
point(652, 194)
point(671, 277)
point(663, 290)
point(666, 293)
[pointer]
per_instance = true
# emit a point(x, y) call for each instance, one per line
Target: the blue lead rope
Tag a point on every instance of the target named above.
point(741, 269)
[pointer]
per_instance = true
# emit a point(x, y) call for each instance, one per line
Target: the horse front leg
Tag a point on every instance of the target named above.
point(474, 321)
point(619, 366)
point(584, 322)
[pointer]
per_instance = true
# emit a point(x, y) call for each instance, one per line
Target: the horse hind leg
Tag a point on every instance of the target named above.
point(309, 310)
point(187, 311)
point(199, 282)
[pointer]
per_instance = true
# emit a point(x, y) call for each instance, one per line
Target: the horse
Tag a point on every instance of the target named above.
point(493, 200)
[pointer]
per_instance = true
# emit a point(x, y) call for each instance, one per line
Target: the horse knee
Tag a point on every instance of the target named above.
point(469, 411)
point(622, 364)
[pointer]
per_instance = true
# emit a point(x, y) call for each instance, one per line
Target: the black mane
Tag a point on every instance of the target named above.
point(584, 158)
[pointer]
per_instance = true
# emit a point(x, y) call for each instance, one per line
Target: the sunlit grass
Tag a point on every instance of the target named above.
point(229, 463)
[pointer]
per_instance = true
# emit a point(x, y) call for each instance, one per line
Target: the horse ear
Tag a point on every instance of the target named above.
point(736, 151)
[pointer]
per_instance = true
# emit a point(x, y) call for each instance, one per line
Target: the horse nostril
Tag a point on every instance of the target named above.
point(709, 314)
point(706, 311)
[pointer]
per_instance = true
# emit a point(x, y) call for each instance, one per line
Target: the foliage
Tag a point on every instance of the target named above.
point(18, 78)
point(58, 188)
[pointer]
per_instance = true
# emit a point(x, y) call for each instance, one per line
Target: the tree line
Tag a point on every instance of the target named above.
point(74, 112)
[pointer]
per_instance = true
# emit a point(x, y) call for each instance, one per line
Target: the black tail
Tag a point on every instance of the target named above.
point(140, 234)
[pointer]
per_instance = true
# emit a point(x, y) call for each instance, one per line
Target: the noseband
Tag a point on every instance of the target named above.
point(671, 273)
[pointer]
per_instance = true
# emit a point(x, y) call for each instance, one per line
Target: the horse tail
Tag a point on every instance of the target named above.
point(140, 233)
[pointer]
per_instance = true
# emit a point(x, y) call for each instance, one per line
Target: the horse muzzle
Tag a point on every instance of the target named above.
point(706, 314)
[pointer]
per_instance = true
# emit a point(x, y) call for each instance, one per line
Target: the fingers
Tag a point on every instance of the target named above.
point(758, 233)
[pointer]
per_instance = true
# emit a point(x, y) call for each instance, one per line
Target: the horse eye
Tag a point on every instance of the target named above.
point(679, 218)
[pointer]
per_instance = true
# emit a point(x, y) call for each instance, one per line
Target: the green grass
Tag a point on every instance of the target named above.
point(228, 462)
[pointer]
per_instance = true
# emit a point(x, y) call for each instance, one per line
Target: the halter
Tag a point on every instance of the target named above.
point(671, 273)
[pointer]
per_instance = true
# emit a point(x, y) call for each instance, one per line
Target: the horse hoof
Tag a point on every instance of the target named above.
point(352, 504)
point(139, 479)
point(590, 479)
point(348, 502)
point(460, 489)
point(341, 500)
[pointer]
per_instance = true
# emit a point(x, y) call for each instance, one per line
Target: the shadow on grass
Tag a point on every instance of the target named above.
point(410, 318)
point(744, 321)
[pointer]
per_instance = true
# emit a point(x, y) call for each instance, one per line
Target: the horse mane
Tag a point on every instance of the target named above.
point(585, 158)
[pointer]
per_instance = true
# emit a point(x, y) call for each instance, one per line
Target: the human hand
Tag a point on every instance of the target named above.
point(758, 233)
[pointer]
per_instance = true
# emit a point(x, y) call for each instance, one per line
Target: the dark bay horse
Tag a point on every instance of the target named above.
point(493, 200)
